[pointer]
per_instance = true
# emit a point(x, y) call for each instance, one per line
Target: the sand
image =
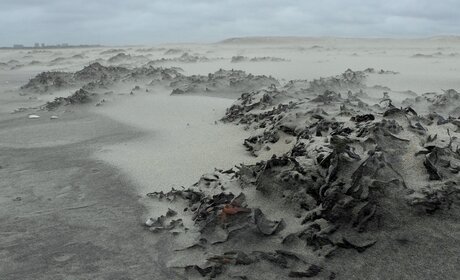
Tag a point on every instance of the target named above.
point(183, 144)
point(64, 215)
point(105, 159)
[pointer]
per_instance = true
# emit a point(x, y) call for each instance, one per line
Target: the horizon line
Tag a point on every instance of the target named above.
point(233, 39)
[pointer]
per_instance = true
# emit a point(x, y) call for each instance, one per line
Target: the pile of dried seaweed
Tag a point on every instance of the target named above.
point(184, 58)
point(350, 170)
point(97, 76)
point(46, 81)
point(81, 96)
point(224, 223)
point(225, 81)
point(126, 58)
point(240, 58)
point(448, 102)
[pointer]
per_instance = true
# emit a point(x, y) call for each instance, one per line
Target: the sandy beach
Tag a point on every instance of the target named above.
point(93, 140)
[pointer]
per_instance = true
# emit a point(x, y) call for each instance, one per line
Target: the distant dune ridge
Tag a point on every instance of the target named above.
point(300, 39)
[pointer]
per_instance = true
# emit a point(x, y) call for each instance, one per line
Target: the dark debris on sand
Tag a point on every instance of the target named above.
point(351, 166)
point(343, 180)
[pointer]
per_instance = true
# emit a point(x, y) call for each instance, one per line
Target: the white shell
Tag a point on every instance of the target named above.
point(149, 222)
point(34, 116)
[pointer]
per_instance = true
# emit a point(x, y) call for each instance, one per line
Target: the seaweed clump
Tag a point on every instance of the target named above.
point(81, 96)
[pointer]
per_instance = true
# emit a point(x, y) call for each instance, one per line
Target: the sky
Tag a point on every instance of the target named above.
point(118, 22)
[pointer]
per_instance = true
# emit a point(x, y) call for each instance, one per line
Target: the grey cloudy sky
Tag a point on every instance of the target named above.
point(155, 21)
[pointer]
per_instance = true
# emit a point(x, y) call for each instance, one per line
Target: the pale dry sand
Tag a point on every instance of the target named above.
point(181, 140)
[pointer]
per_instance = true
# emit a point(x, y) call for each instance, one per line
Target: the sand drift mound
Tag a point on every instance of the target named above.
point(98, 79)
point(353, 166)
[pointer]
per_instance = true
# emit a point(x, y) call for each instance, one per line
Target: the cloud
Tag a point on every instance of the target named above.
point(153, 21)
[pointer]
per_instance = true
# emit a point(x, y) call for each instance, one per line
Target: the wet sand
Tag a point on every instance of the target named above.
point(66, 215)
